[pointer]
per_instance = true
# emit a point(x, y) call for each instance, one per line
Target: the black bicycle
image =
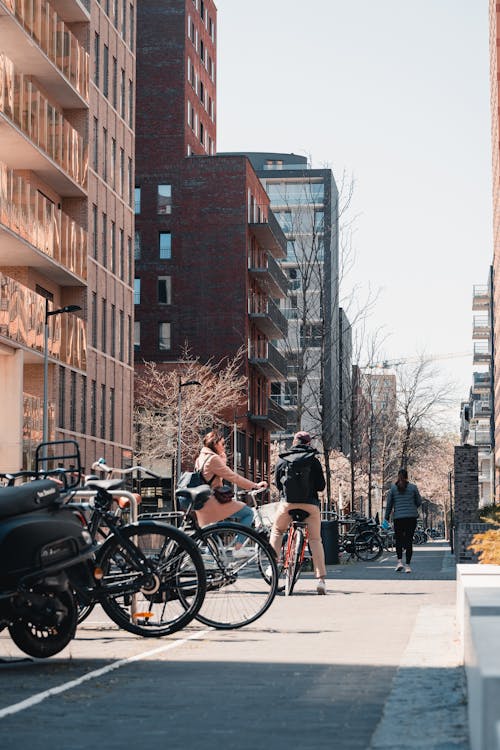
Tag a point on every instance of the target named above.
point(361, 539)
point(149, 576)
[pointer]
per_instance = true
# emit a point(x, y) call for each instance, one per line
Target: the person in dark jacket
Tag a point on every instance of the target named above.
point(403, 500)
point(300, 448)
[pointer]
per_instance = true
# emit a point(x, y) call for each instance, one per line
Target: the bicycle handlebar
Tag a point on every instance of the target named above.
point(101, 465)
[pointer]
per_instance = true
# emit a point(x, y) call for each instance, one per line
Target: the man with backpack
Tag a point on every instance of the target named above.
point(299, 477)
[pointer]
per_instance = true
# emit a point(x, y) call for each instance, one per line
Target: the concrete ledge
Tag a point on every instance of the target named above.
point(478, 619)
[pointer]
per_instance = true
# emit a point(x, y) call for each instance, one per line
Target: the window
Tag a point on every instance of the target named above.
point(202, 134)
point(105, 154)
point(113, 162)
point(164, 337)
point(121, 250)
point(130, 259)
point(104, 239)
point(165, 245)
point(103, 412)
point(113, 331)
point(83, 414)
point(130, 103)
point(202, 93)
point(122, 171)
point(137, 291)
point(137, 245)
point(115, 83)
point(129, 339)
point(104, 326)
point(124, 18)
point(72, 401)
point(137, 335)
point(122, 94)
point(111, 413)
point(121, 335)
point(165, 290)
point(105, 71)
point(137, 200)
point(93, 399)
point(94, 319)
point(113, 247)
point(62, 396)
point(95, 140)
point(164, 199)
point(94, 230)
point(97, 59)
point(132, 26)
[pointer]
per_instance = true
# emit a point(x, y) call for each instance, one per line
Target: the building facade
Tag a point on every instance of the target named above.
point(206, 241)
point(306, 203)
point(67, 83)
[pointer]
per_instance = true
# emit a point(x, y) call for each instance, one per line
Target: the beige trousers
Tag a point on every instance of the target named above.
point(281, 523)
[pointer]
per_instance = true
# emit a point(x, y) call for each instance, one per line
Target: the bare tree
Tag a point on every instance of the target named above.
point(222, 387)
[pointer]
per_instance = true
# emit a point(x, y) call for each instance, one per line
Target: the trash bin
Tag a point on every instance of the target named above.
point(330, 539)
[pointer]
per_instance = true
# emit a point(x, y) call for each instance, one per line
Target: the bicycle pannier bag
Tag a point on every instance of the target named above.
point(296, 481)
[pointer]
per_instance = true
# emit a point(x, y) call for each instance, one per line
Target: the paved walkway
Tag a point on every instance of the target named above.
point(372, 666)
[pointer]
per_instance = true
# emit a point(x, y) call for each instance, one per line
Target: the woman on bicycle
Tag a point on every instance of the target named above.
point(212, 463)
point(403, 500)
point(301, 450)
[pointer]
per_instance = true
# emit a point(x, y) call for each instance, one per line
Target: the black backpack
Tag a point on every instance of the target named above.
point(296, 478)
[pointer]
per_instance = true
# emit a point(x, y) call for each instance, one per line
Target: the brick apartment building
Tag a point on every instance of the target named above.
point(206, 240)
point(67, 85)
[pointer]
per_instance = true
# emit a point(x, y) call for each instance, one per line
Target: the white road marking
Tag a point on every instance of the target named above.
point(39, 697)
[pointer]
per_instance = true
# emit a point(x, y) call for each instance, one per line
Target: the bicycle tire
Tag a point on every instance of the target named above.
point(174, 593)
point(294, 552)
point(368, 546)
point(239, 588)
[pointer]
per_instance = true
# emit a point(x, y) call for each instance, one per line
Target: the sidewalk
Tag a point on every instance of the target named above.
point(372, 666)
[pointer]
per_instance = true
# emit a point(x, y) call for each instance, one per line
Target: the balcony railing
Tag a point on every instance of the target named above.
point(40, 21)
point(481, 409)
point(481, 353)
point(481, 328)
point(480, 437)
point(481, 382)
point(46, 127)
point(275, 418)
point(268, 317)
point(270, 277)
point(268, 360)
point(37, 221)
point(22, 321)
point(268, 232)
point(480, 297)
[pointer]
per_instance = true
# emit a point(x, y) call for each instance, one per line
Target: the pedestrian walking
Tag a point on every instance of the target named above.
point(403, 501)
point(298, 488)
point(212, 462)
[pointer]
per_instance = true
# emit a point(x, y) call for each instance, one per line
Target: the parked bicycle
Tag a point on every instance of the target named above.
point(361, 539)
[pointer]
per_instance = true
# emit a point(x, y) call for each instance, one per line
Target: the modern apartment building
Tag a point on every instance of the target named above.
point(67, 79)
point(206, 241)
point(477, 414)
point(305, 202)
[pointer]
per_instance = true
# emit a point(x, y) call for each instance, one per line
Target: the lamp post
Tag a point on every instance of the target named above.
point(179, 430)
point(48, 313)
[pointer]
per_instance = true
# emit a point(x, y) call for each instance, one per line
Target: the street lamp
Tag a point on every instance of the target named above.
point(48, 313)
point(179, 433)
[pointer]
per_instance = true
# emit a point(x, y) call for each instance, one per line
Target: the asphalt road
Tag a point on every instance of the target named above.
point(314, 672)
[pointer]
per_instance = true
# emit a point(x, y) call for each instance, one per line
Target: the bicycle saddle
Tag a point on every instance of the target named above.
point(195, 496)
point(299, 515)
point(105, 484)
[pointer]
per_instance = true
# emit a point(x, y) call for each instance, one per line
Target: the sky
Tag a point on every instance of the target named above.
point(394, 94)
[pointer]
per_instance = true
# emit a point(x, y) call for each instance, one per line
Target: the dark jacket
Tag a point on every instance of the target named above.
point(316, 475)
point(403, 503)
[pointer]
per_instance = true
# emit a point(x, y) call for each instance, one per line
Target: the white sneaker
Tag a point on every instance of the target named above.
point(399, 567)
point(321, 587)
point(268, 572)
point(407, 569)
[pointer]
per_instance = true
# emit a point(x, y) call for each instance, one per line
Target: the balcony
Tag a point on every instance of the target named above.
point(480, 297)
point(481, 328)
point(22, 323)
point(481, 382)
point(269, 234)
point(267, 317)
point(35, 135)
point(274, 420)
point(270, 277)
point(481, 409)
point(480, 437)
point(267, 359)
point(36, 234)
point(38, 42)
point(481, 354)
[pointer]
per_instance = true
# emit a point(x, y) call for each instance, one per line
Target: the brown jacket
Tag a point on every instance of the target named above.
point(215, 466)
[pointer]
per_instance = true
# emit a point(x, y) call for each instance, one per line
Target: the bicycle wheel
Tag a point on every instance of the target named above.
point(293, 560)
point(368, 546)
point(241, 581)
point(166, 599)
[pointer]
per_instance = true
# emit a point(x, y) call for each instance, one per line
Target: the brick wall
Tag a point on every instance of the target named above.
point(466, 500)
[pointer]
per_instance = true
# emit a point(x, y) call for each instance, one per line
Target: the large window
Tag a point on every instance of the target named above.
point(137, 245)
point(165, 245)
point(137, 200)
point(137, 291)
point(164, 199)
point(137, 335)
point(164, 342)
point(165, 290)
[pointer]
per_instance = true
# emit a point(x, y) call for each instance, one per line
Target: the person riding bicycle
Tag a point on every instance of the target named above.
point(313, 481)
point(212, 463)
